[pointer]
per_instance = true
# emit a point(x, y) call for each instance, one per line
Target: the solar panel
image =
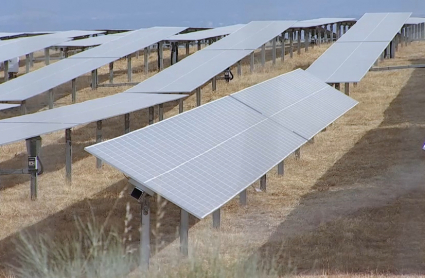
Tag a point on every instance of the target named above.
point(298, 101)
point(375, 27)
point(93, 41)
point(27, 126)
point(4, 34)
point(199, 161)
point(320, 21)
point(347, 62)
point(129, 43)
point(77, 33)
point(191, 72)
point(15, 48)
point(4, 106)
point(415, 20)
point(43, 79)
point(252, 35)
point(205, 34)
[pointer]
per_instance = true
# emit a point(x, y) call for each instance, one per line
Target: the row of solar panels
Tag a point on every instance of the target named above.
point(350, 58)
point(201, 66)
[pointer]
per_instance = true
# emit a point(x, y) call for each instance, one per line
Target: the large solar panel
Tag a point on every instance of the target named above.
point(202, 158)
point(27, 126)
point(376, 27)
point(347, 62)
point(191, 72)
point(43, 79)
point(205, 34)
point(10, 49)
point(320, 21)
point(252, 35)
point(298, 101)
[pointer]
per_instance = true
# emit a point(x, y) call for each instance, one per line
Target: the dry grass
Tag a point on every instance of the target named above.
point(352, 204)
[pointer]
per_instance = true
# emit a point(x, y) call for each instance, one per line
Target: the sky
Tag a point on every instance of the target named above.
point(52, 15)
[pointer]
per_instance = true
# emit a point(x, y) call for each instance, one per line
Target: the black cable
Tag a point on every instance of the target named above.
point(41, 167)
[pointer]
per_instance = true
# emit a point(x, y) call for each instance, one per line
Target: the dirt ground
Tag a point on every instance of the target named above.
point(351, 206)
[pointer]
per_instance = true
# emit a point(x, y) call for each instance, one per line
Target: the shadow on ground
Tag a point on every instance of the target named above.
point(367, 212)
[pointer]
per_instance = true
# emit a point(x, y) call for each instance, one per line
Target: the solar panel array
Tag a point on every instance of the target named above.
point(193, 71)
point(43, 79)
point(202, 158)
point(350, 58)
point(31, 125)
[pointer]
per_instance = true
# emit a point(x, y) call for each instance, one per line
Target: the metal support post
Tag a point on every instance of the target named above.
point(291, 44)
point(347, 89)
point(6, 70)
point(199, 45)
point(282, 48)
point(263, 55)
point(145, 233)
point(146, 60)
point(161, 55)
point(160, 112)
point(214, 83)
point(263, 183)
point(337, 86)
point(392, 49)
point(299, 42)
point(33, 149)
point(239, 68)
point(338, 31)
point(31, 59)
point(74, 90)
point(50, 96)
point(180, 106)
point(319, 36)
point(251, 65)
point(306, 39)
point(111, 72)
point(332, 32)
point(242, 198)
point(127, 123)
point(312, 35)
point(216, 219)
point(187, 49)
point(98, 140)
point(297, 154)
point(274, 51)
point(93, 79)
point(23, 107)
point(27, 63)
point(68, 155)
point(47, 56)
point(198, 96)
point(129, 69)
point(423, 31)
point(151, 114)
point(281, 168)
point(184, 232)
